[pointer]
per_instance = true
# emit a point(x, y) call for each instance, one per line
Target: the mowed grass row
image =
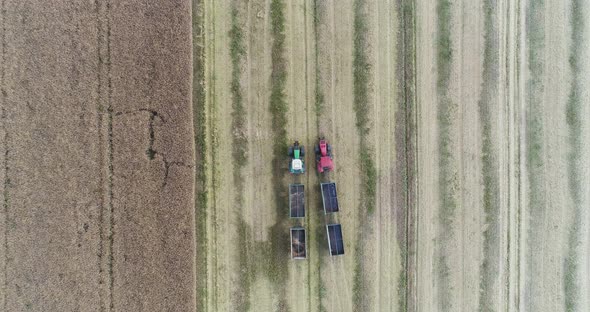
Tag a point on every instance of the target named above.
point(213, 168)
point(448, 181)
point(489, 268)
point(574, 157)
point(275, 258)
point(241, 294)
point(403, 137)
point(534, 136)
point(200, 136)
point(361, 79)
point(319, 14)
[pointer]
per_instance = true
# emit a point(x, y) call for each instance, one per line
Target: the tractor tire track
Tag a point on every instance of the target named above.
point(388, 258)
point(223, 249)
point(5, 193)
point(298, 51)
point(427, 158)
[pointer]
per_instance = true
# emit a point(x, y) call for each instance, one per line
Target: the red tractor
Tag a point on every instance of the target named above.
point(323, 152)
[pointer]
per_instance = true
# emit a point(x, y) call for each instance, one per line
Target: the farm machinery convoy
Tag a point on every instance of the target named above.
point(324, 164)
point(323, 152)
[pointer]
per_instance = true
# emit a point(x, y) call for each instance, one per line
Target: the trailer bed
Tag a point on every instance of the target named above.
point(296, 201)
point(329, 197)
point(298, 248)
point(335, 241)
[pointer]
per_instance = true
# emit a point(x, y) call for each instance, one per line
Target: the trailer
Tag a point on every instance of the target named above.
point(296, 201)
point(329, 197)
point(335, 241)
point(298, 247)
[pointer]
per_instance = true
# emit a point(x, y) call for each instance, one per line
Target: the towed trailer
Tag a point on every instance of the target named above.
point(329, 197)
point(335, 241)
point(298, 247)
point(296, 201)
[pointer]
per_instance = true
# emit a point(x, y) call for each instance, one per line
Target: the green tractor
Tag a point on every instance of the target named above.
point(296, 164)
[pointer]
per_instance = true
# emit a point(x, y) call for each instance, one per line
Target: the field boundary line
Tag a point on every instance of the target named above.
point(6, 194)
point(110, 158)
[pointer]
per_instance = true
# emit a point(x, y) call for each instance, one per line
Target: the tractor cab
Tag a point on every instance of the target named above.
point(323, 153)
point(296, 164)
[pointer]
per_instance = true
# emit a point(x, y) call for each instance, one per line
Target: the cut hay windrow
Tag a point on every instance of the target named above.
point(275, 268)
point(534, 136)
point(448, 178)
point(574, 122)
point(489, 270)
point(319, 13)
point(213, 180)
point(241, 294)
point(405, 136)
point(361, 77)
point(200, 135)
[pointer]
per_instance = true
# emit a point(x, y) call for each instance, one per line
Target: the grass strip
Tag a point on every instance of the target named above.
point(239, 139)
point(275, 263)
point(574, 122)
point(200, 136)
point(239, 155)
point(534, 139)
point(318, 14)
point(361, 76)
point(448, 179)
point(405, 167)
point(491, 249)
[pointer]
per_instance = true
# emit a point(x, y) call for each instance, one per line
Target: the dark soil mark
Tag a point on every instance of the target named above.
point(150, 152)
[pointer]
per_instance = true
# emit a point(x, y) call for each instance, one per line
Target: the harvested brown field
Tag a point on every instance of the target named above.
point(144, 155)
point(98, 159)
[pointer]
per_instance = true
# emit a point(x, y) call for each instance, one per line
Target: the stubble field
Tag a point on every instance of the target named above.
point(457, 129)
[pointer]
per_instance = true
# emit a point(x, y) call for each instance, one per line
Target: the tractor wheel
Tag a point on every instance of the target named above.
point(329, 148)
point(302, 151)
point(317, 149)
point(291, 151)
